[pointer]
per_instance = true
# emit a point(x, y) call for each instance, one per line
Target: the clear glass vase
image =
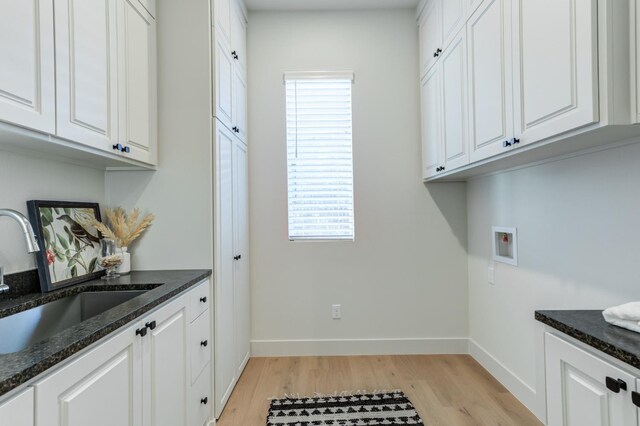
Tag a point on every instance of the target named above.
point(110, 258)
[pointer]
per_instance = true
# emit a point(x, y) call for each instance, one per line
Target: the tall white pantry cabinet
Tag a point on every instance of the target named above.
point(231, 224)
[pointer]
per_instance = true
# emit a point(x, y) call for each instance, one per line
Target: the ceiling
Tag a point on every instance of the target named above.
point(329, 4)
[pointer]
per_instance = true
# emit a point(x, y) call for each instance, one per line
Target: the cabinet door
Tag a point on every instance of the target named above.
point(222, 19)
point(86, 72)
point(166, 365)
point(454, 103)
point(224, 85)
point(27, 87)
point(137, 81)
point(430, 35)
point(454, 16)
point(431, 123)
point(556, 77)
point(100, 388)
point(490, 75)
point(18, 411)
point(239, 37)
point(239, 104)
point(242, 303)
point(224, 348)
point(576, 390)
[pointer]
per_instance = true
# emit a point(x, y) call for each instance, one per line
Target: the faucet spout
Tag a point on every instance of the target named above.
point(29, 235)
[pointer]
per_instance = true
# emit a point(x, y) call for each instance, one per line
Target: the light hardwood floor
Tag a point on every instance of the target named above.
point(446, 390)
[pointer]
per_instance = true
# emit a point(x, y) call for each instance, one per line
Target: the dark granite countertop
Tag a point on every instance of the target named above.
point(590, 328)
point(19, 367)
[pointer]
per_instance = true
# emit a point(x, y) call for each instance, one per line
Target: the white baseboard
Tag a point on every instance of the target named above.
point(522, 391)
point(263, 348)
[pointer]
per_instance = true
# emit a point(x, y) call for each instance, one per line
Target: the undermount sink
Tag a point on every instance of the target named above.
point(21, 330)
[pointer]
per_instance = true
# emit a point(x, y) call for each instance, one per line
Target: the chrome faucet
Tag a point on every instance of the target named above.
point(30, 236)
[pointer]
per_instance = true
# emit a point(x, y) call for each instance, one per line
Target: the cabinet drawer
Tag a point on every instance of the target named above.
point(18, 411)
point(201, 399)
point(200, 300)
point(200, 344)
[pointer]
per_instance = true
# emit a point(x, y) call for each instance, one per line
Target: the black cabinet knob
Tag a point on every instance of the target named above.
point(614, 385)
point(126, 149)
point(234, 54)
point(141, 332)
point(635, 398)
point(204, 343)
point(238, 257)
point(204, 401)
point(203, 299)
point(506, 144)
point(116, 147)
point(151, 325)
point(437, 52)
point(515, 141)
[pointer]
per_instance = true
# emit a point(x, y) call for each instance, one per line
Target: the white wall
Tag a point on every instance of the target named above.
point(24, 178)
point(180, 192)
point(405, 276)
point(578, 226)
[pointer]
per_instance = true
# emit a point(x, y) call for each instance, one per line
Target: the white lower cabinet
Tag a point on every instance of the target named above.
point(102, 387)
point(18, 411)
point(139, 377)
point(584, 389)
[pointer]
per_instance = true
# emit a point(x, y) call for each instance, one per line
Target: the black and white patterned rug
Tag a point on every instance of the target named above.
point(345, 409)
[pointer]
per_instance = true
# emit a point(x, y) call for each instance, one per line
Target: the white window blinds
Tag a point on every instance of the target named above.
point(319, 156)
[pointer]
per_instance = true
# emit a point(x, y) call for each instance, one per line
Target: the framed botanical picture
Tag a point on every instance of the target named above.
point(69, 245)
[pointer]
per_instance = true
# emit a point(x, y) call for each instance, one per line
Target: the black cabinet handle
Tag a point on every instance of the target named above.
point(121, 148)
point(204, 400)
point(515, 141)
point(238, 257)
point(236, 129)
point(437, 53)
point(204, 343)
point(614, 385)
point(440, 169)
point(151, 325)
point(141, 332)
point(506, 144)
point(234, 54)
point(635, 398)
point(203, 299)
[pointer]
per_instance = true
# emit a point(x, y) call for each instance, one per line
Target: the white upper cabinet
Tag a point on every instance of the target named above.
point(239, 37)
point(431, 89)
point(239, 116)
point(555, 72)
point(27, 87)
point(430, 36)
point(222, 19)
point(454, 16)
point(86, 72)
point(489, 76)
point(224, 85)
point(137, 82)
point(454, 103)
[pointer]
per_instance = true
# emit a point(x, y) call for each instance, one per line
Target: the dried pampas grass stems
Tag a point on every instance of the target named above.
point(123, 227)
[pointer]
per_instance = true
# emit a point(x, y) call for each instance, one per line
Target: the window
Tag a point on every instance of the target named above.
point(319, 156)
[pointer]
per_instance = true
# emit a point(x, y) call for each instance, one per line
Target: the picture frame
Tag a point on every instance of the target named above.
point(69, 247)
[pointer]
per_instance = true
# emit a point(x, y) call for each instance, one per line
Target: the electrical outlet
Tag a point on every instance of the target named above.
point(336, 311)
point(491, 275)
